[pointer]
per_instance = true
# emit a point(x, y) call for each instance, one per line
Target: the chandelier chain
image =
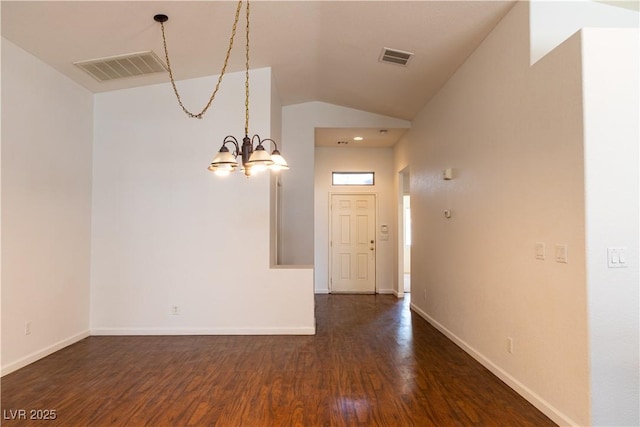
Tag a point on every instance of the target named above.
point(224, 67)
point(246, 80)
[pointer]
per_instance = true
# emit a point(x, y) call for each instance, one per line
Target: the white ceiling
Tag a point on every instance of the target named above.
point(371, 137)
point(319, 50)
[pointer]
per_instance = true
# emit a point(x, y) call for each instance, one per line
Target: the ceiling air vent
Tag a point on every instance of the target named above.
point(123, 66)
point(394, 56)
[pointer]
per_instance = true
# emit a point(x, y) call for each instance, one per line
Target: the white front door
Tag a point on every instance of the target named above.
point(352, 244)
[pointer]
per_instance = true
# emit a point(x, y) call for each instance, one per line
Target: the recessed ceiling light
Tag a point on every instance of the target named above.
point(358, 138)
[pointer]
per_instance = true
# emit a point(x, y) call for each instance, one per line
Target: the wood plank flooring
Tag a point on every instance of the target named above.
point(371, 363)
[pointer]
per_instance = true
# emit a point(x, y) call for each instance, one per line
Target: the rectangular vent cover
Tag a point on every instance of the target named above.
point(394, 56)
point(123, 66)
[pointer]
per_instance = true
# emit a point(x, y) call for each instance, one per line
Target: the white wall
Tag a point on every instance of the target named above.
point(552, 22)
point(610, 69)
point(513, 136)
point(168, 232)
point(1, 364)
point(299, 123)
point(46, 208)
point(347, 159)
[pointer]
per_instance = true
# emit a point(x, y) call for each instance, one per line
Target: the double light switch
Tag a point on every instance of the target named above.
point(617, 257)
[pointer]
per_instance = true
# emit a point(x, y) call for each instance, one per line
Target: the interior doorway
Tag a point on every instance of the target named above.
point(404, 232)
point(406, 241)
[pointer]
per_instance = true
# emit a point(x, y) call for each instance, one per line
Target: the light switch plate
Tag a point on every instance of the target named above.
point(561, 253)
point(617, 257)
point(540, 250)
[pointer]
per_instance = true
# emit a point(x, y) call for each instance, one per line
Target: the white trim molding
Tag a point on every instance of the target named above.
point(204, 331)
point(537, 401)
point(41, 354)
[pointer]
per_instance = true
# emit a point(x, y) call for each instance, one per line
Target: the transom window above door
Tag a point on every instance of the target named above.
point(352, 178)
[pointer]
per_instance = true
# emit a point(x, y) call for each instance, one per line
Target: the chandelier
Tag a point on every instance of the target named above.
point(225, 162)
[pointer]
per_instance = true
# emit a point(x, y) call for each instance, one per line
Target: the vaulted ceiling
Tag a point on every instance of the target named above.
point(319, 50)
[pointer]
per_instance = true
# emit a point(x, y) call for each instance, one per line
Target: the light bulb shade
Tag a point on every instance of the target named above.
point(222, 169)
point(279, 163)
point(259, 157)
point(224, 161)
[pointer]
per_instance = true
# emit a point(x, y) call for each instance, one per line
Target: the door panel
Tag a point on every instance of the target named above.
point(345, 229)
point(363, 267)
point(353, 257)
point(345, 266)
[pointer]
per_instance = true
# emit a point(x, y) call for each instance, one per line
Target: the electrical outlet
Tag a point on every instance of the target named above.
point(510, 345)
point(174, 310)
point(27, 328)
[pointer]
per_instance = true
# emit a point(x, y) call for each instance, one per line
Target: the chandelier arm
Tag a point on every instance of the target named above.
point(253, 138)
point(272, 141)
point(262, 141)
point(224, 66)
point(231, 138)
point(246, 80)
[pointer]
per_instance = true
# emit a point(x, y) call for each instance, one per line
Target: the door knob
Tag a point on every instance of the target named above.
point(371, 248)
point(372, 242)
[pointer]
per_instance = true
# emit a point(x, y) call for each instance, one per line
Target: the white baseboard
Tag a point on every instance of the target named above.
point(398, 294)
point(40, 354)
point(533, 398)
point(379, 291)
point(211, 331)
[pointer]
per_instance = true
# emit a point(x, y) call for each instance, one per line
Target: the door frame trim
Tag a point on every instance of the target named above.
point(330, 246)
point(403, 175)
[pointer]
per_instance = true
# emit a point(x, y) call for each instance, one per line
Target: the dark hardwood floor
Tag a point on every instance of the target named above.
point(372, 363)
